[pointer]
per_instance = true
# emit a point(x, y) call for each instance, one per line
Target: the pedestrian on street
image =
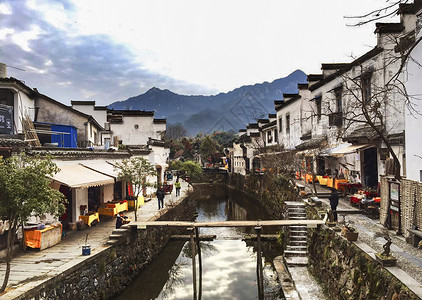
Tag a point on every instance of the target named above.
point(333, 203)
point(160, 197)
point(178, 186)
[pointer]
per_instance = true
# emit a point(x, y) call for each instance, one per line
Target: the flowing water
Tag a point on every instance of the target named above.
point(228, 263)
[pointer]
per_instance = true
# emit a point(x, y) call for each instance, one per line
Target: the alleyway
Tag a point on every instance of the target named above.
point(34, 267)
point(371, 240)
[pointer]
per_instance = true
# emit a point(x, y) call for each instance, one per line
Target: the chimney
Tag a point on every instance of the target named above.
point(3, 70)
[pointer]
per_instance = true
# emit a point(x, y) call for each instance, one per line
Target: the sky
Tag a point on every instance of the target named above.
point(111, 50)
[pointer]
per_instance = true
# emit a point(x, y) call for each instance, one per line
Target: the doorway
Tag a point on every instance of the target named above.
point(370, 168)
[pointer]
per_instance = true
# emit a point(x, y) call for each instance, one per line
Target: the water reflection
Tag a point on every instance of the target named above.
point(228, 263)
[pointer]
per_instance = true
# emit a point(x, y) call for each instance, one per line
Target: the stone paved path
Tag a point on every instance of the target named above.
point(409, 258)
point(31, 268)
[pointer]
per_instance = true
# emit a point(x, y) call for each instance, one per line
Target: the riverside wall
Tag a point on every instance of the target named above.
point(107, 273)
point(346, 272)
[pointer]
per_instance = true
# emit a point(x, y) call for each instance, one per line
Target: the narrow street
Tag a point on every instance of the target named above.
point(32, 268)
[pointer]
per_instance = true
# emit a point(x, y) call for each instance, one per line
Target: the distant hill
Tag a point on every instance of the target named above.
point(224, 111)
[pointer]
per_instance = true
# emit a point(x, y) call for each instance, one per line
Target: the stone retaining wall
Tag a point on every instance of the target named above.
point(347, 272)
point(106, 274)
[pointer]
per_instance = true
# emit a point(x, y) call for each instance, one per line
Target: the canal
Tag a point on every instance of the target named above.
point(228, 262)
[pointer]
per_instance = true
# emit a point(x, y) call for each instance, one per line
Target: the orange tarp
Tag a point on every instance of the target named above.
point(33, 237)
point(330, 182)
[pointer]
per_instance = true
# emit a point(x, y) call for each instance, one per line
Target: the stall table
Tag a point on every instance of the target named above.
point(131, 203)
point(89, 218)
point(322, 180)
point(338, 182)
point(112, 208)
point(348, 187)
point(43, 238)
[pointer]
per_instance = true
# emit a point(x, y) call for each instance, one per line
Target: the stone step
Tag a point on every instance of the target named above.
point(298, 243)
point(296, 209)
point(294, 204)
point(120, 231)
point(297, 253)
point(298, 227)
point(297, 261)
point(298, 238)
point(298, 233)
point(297, 218)
point(115, 236)
point(296, 248)
point(112, 242)
point(297, 215)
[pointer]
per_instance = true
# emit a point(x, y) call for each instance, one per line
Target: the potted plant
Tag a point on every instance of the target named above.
point(385, 258)
point(349, 233)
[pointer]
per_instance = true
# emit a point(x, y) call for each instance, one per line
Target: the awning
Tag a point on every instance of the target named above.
point(78, 176)
point(350, 149)
point(101, 166)
point(330, 151)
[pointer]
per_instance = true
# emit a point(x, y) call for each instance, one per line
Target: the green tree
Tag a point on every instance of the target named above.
point(176, 165)
point(24, 192)
point(136, 171)
point(191, 168)
point(208, 147)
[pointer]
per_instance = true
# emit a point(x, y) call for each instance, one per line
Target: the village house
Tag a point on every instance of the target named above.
point(134, 129)
point(325, 122)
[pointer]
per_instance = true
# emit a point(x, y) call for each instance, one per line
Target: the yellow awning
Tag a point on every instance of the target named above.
point(78, 176)
point(350, 149)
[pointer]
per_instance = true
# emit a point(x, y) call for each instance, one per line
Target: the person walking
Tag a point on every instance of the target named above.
point(333, 203)
point(160, 197)
point(178, 186)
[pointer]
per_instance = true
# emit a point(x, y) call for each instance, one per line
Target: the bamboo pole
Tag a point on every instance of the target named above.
point(229, 223)
point(260, 279)
point(192, 243)
point(198, 246)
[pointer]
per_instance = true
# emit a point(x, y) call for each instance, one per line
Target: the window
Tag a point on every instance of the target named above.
point(280, 124)
point(338, 93)
point(318, 107)
point(366, 87)
point(287, 124)
point(269, 137)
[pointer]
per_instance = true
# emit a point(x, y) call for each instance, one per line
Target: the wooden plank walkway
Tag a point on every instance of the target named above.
point(227, 223)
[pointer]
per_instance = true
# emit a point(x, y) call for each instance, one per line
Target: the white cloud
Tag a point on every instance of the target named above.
point(6, 32)
point(23, 38)
point(5, 9)
point(225, 44)
point(188, 46)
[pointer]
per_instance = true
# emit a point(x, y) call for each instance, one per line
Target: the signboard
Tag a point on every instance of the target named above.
point(6, 119)
point(394, 191)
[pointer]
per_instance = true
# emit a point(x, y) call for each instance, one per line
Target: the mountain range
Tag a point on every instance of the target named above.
point(221, 112)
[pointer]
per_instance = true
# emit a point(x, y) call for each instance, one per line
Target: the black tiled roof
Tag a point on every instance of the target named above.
point(315, 77)
point(361, 134)
point(388, 27)
point(312, 143)
point(333, 66)
point(302, 86)
point(271, 124)
point(410, 8)
point(358, 61)
point(160, 121)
